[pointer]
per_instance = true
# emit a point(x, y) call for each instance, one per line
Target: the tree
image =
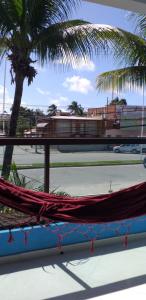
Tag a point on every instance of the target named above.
point(76, 109)
point(41, 31)
point(52, 110)
point(122, 101)
point(39, 113)
point(27, 119)
point(132, 76)
point(118, 101)
point(22, 124)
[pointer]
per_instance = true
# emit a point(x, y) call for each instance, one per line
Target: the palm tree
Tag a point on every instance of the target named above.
point(40, 30)
point(118, 101)
point(52, 110)
point(122, 101)
point(76, 109)
point(133, 75)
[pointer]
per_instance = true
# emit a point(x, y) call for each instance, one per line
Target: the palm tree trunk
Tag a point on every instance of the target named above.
point(19, 80)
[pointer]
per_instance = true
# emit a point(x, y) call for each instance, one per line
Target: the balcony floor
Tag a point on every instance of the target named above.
point(110, 272)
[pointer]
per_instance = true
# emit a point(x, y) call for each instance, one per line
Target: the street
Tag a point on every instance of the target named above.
point(90, 180)
point(27, 155)
point(80, 180)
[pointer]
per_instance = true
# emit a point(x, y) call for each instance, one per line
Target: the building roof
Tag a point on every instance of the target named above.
point(75, 118)
point(33, 130)
point(41, 125)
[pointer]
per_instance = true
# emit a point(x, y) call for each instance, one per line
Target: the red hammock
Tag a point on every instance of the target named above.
point(124, 204)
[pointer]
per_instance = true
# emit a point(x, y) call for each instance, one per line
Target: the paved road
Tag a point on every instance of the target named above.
point(27, 155)
point(85, 180)
point(91, 180)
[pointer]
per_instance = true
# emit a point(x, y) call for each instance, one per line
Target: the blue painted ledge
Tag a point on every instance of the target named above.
point(40, 237)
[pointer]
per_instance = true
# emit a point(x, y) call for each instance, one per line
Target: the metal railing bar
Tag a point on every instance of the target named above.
point(71, 141)
point(47, 169)
point(47, 142)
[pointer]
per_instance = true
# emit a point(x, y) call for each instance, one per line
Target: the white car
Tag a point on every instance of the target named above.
point(129, 148)
point(144, 162)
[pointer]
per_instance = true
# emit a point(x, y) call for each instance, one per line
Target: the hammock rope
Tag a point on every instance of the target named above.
point(124, 204)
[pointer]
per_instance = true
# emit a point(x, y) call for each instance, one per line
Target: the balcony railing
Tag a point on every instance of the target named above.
point(38, 239)
point(47, 142)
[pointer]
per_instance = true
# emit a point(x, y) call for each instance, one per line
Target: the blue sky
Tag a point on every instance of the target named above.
point(55, 85)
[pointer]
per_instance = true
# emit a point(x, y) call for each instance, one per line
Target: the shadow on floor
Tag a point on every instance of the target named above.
point(82, 255)
point(89, 293)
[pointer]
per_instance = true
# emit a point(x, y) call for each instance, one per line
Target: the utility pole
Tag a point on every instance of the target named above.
point(36, 146)
point(142, 115)
point(112, 91)
point(107, 108)
point(4, 97)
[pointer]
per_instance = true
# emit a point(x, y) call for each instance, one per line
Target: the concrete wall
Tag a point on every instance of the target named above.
point(37, 238)
point(131, 5)
point(82, 148)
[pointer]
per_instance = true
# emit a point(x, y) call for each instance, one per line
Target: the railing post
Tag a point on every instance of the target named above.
point(47, 169)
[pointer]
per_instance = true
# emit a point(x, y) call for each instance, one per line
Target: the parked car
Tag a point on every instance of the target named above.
point(144, 162)
point(130, 148)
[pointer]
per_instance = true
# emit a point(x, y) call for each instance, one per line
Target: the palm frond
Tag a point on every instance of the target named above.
point(3, 44)
point(129, 48)
point(140, 23)
point(15, 7)
point(74, 39)
point(131, 78)
point(77, 37)
point(3, 48)
point(45, 21)
point(32, 16)
point(10, 14)
point(41, 14)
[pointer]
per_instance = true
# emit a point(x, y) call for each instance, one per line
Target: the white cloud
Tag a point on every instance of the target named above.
point(84, 65)
point(59, 101)
point(55, 101)
point(78, 84)
point(63, 99)
point(43, 92)
point(79, 64)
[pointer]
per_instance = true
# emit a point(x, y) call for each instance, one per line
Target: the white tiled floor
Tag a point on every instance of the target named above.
point(111, 272)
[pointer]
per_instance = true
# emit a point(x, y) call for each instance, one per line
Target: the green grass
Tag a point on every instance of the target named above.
point(79, 164)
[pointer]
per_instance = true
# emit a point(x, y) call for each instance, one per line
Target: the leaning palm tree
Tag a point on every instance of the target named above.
point(52, 110)
point(133, 75)
point(40, 30)
point(76, 109)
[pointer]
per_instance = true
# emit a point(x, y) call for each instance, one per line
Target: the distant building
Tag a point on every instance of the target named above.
point(106, 113)
point(62, 113)
point(30, 133)
point(70, 126)
point(121, 120)
point(4, 116)
point(4, 123)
